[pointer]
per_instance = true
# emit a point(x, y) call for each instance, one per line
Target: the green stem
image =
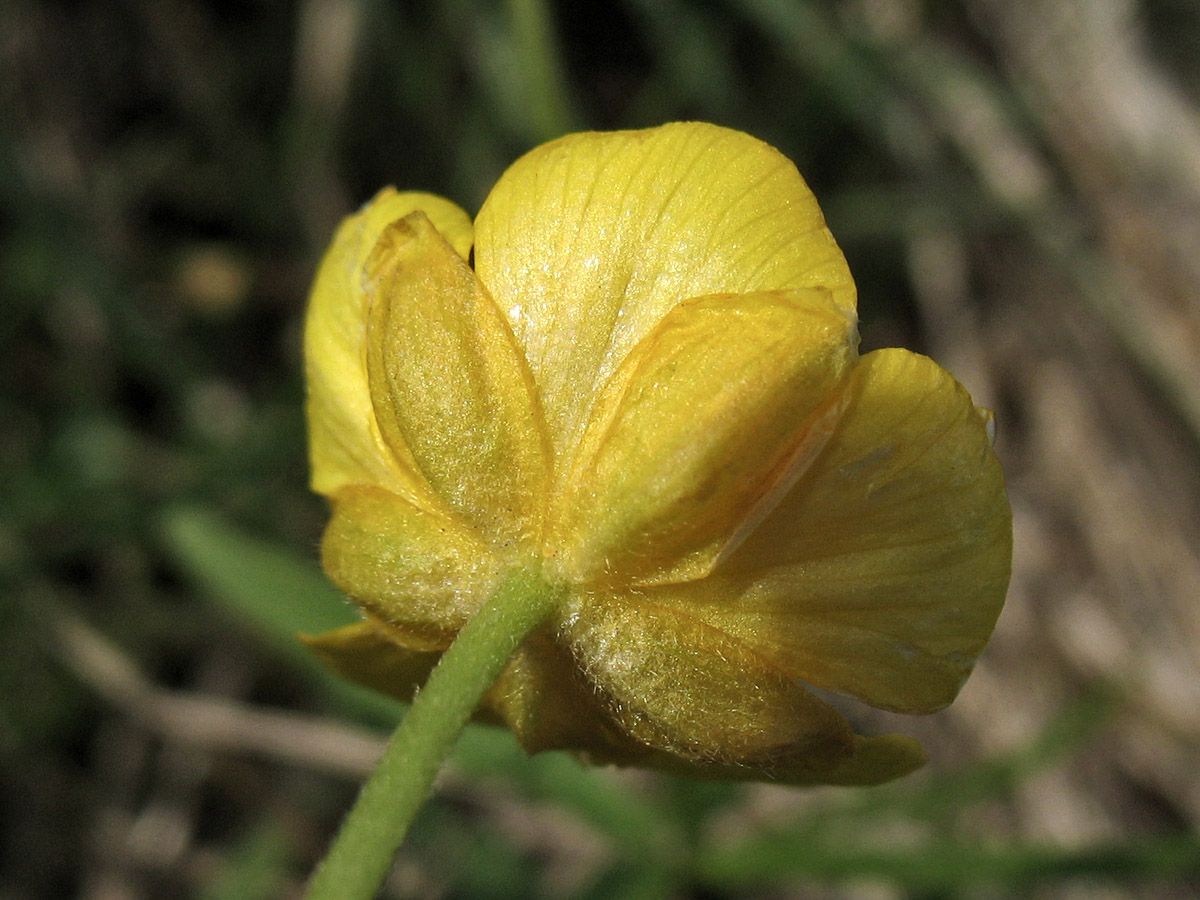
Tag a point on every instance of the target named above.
point(358, 861)
point(537, 54)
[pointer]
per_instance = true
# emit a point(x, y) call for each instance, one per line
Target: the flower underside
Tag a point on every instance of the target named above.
point(648, 389)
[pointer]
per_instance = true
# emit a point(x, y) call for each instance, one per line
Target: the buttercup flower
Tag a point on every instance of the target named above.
point(637, 373)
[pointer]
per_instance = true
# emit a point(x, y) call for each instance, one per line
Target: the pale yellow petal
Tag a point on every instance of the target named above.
point(882, 573)
point(448, 385)
point(344, 442)
point(699, 433)
point(588, 241)
point(420, 570)
point(681, 687)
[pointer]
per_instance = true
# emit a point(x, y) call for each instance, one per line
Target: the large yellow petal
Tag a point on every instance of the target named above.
point(702, 429)
point(344, 442)
point(424, 571)
point(678, 686)
point(449, 387)
point(588, 241)
point(882, 573)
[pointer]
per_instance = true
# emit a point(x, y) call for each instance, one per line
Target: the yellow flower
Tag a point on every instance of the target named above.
point(645, 383)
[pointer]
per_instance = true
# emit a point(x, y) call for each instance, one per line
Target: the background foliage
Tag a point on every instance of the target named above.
point(1017, 187)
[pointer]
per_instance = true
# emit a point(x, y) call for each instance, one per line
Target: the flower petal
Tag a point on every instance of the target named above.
point(449, 387)
point(681, 687)
point(420, 570)
point(882, 573)
point(370, 654)
point(588, 241)
point(543, 699)
point(345, 447)
point(699, 433)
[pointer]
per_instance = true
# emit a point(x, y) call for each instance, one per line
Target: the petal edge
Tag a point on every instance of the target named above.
point(344, 442)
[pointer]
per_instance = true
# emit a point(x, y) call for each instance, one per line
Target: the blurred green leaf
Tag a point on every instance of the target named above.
point(954, 865)
point(266, 584)
point(273, 591)
point(256, 867)
point(639, 825)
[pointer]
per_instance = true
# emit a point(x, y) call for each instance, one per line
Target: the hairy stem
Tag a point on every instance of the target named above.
point(358, 861)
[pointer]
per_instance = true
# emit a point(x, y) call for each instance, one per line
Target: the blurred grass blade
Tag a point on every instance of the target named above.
point(644, 830)
point(951, 865)
point(257, 868)
point(278, 591)
point(541, 67)
point(854, 78)
point(274, 591)
point(938, 799)
point(1066, 734)
point(827, 842)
